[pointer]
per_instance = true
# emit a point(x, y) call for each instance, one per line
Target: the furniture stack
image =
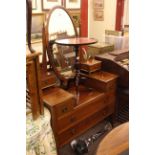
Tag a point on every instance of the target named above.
point(96, 102)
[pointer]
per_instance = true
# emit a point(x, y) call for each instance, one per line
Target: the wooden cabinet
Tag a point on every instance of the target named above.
point(70, 119)
point(33, 90)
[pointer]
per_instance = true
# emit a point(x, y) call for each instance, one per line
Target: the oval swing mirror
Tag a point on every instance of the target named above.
point(61, 58)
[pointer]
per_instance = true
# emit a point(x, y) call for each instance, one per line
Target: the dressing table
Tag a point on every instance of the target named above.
point(70, 119)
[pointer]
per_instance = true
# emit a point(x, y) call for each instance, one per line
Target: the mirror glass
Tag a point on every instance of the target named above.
point(60, 25)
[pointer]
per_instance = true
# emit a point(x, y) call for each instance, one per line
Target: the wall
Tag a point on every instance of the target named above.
point(126, 12)
point(39, 7)
point(96, 29)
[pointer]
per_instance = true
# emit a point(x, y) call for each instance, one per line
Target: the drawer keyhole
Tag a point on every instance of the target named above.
point(65, 109)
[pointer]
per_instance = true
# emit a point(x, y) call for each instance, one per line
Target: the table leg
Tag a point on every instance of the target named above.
point(77, 76)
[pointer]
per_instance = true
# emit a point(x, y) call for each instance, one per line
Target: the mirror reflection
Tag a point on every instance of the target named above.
point(60, 24)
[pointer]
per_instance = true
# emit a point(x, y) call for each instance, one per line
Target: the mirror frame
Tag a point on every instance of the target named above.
point(49, 44)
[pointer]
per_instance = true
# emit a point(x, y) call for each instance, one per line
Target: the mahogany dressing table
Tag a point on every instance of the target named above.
point(95, 94)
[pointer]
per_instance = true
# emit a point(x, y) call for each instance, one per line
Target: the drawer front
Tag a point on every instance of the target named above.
point(80, 113)
point(84, 112)
point(65, 107)
point(100, 85)
point(91, 68)
point(48, 81)
point(95, 67)
point(76, 130)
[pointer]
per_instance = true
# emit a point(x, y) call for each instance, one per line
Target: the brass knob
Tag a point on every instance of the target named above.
point(65, 109)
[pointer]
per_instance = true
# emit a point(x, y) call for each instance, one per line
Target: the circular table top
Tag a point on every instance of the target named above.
point(76, 41)
point(115, 142)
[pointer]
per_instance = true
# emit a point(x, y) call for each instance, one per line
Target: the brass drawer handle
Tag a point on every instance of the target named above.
point(64, 109)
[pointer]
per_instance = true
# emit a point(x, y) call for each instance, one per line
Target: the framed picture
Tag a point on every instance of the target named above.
point(75, 14)
point(37, 24)
point(98, 4)
point(73, 4)
point(98, 14)
point(48, 4)
point(34, 4)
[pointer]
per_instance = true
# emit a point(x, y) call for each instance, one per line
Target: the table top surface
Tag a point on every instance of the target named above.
point(116, 142)
point(77, 41)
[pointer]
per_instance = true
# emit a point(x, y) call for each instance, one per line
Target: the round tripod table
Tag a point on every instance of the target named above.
point(115, 142)
point(76, 42)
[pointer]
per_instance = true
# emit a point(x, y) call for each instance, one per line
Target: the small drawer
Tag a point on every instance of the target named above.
point(58, 101)
point(102, 81)
point(65, 107)
point(67, 135)
point(91, 66)
point(48, 81)
point(100, 85)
